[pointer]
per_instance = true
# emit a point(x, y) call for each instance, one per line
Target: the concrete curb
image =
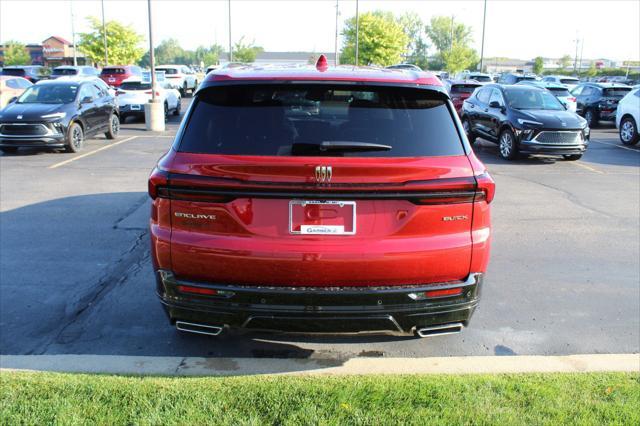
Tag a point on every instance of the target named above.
point(192, 366)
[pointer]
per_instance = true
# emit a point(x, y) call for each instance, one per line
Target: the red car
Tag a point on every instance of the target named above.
point(459, 90)
point(320, 199)
point(116, 74)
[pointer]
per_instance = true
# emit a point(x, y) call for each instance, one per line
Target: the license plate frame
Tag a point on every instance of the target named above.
point(322, 229)
point(135, 107)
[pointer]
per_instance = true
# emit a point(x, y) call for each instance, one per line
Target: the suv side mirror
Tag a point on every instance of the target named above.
point(494, 104)
point(86, 100)
point(12, 100)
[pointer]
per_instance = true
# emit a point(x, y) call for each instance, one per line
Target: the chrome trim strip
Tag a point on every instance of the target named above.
point(456, 327)
point(216, 330)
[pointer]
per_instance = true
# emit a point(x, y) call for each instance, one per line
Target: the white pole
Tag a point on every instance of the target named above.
point(230, 47)
point(104, 37)
point(73, 35)
point(484, 20)
point(336, 46)
point(357, 29)
point(152, 58)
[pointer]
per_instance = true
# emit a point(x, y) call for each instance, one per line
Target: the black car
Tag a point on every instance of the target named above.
point(76, 71)
point(599, 101)
point(33, 73)
point(58, 114)
point(524, 120)
point(513, 78)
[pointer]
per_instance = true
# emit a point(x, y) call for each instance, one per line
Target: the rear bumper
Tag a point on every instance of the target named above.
point(324, 309)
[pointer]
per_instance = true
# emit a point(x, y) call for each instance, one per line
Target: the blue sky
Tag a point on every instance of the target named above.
point(515, 28)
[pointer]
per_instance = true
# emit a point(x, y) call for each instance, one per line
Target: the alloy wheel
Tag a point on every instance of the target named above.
point(627, 131)
point(76, 137)
point(115, 125)
point(506, 144)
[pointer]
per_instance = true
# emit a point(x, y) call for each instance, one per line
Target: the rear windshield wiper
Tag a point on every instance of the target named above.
point(344, 146)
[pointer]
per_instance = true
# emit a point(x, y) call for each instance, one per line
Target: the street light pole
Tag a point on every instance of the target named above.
point(73, 35)
point(581, 52)
point(357, 29)
point(154, 112)
point(230, 46)
point(104, 37)
point(152, 58)
point(336, 61)
point(484, 20)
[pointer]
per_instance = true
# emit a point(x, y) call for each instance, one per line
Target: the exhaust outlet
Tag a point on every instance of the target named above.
point(190, 327)
point(441, 330)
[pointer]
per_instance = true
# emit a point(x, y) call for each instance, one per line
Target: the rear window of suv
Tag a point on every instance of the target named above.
point(321, 120)
point(618, 92)
point(113, 71)
point(463, 88)
point(65, 71)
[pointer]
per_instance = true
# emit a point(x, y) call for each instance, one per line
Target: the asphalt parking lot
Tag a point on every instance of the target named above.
point(75, 274)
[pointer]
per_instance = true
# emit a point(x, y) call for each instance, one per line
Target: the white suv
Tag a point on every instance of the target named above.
point(567, 80)
point(181, 77)
point(628, 117)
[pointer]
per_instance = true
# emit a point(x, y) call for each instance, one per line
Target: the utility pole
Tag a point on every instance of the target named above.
point(154, 113)
point(581, 52)
point(484, 20)
point(357, 29)
point(73, 35)
point(336, 61)
point(575, 62)
point(451, 40)
point(152, 58)
point(230, 47)
point(104, 37)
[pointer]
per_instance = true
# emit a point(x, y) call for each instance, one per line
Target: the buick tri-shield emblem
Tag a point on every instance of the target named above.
point(323, 174)
point(19, 117)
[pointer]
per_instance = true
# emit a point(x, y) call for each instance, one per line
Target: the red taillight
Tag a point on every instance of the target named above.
point(486, 187)
point(197, 290)
point(157, 179)
point(571, 99)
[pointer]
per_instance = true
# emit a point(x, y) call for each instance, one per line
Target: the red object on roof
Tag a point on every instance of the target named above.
point(313, 73)
point(322, 64)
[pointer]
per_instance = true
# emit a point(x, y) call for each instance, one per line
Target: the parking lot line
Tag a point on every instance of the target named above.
point(62, 163)
point(617, 146)
point(584, 166)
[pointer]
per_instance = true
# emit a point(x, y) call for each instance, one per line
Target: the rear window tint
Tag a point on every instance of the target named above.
point(65, 71)
point(618, 92)
point(135, 85)
point(463, 88)
point(13, 71)
point(480, 78)
point(168, 70)
point(311, 120)
point(569, 81)
point(559, 92)
point(113, 71)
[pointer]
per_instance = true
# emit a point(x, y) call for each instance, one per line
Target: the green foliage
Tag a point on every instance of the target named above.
point(169, 52)
point(592, 71)
point(439, 31)
point(382, 40)
point(565, 61)
point(417, 45)
point(123, 43)
point(16, 53)
point(509, 399)
point(459, 58)
point(245, 52)
point(208, 55)
point(538, 65)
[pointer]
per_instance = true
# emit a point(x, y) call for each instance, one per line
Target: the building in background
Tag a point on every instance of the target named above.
point(53, 52)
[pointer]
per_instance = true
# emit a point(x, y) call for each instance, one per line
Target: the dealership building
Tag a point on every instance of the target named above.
point(53, 52)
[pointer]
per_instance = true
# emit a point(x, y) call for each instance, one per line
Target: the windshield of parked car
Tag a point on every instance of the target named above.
point(135, 85)
point(65, 71)
point(569, 81)
point(463, 88)
point(168, 70)
point(321, 120)
point(49, 94)
point(113, 71)
point(618, 92)
point(524, 78)
point(559, 91)
point(523, 98)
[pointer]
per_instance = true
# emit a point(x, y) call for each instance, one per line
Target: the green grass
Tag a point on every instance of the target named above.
point(46, 398)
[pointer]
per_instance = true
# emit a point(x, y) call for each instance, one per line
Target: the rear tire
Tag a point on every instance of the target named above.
point(195, 87)
point(114, 127)
point(572, 157)
point(75, 138)
point(467, 129)
point(178, 107)
point(183, 90)
point(507, 145)
point(166, 111)
point(629, 131)
point(591, 117)
point(9, 149)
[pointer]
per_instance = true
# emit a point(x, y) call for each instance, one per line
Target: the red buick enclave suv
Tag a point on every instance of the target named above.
point(320, 200)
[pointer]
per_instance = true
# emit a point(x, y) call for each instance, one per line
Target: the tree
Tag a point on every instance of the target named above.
point(538, 65)
point(168, 51)
point(439, 31)
point(592, 71)
point(123, 43)
point(208, 55)
point(565, 61)
point(459, 58)
point(245, 52)
point(16, 53)
point(382, 40)
point(417, 46)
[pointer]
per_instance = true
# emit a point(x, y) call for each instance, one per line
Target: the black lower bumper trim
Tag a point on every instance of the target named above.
point(332, 310)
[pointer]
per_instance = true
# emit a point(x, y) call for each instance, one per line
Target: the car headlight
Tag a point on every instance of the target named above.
point(56, 115)
point(523, 122)
point(586, 131)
